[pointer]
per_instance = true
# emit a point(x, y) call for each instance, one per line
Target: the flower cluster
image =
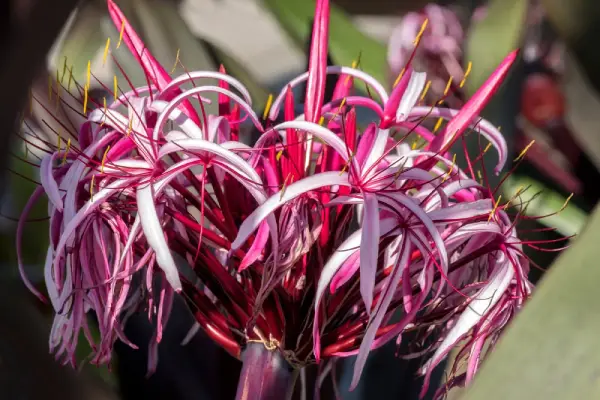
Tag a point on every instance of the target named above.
point(312, 240)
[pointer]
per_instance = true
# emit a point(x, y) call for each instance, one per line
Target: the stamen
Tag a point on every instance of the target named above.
point(321, 120)
point(287, 178)
point(522, 154)
point(494, 209)
point(64, 160)
point(70, 78)
point(115, 87)
point(565, 203)
point(487, 147)
point(467, 72)
point(129, 128)
point(88, 74)
point(425, 90)
point(438, 124)
point(104, 159)
point(278, 155)
point(64, 71)
point(447, 89)
point(268, 106)
point(400, 75)
point(176, 61)
point(92, 187)
point(85, 98)
point(106, 51)
point(420, 34)
point(121, 33)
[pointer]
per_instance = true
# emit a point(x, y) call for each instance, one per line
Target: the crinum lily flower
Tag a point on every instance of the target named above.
point(296, 250)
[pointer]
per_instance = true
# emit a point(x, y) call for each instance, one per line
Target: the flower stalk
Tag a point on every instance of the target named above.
point(266, 374)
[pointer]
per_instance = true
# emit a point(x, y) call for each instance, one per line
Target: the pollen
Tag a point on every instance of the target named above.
point(467, 72)
point(321, 120)
point(278, 155)
point(522, 154)
point(268, 106)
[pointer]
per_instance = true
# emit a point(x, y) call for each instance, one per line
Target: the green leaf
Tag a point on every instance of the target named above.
point(491, 39)
point(542, 201)
point(346, 41)
point(550, 350)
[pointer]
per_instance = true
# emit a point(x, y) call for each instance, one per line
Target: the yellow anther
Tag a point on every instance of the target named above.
point(268, 106)
point(487, 148)
point(447, 89)
point(121, 33)
point(70, 78)
point(115, 87)
point(88, 74)
point(522, 154)
point(85, 99)
point(278, 155)
point(104, 159)
point(400, 75)
point(438, 124)
point(413, 146)
point(64, 160)
point(58, 141)
point(321, 120)
point(106, 51)
point(425, 90)
point(176, 61)
point(64, 71)
point(287, 178)
point(92, 187)
point(129, 127)
point(467, 72)
point(565, 203)
point(494, 209)
point(420, 34)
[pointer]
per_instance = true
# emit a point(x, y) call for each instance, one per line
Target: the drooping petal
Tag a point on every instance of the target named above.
point(369, 248)
point(155, 236)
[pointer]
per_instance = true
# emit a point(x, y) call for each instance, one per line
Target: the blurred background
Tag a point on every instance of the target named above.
point(551, 99)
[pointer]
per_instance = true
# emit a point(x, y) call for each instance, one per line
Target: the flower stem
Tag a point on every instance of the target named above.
point(265, 375)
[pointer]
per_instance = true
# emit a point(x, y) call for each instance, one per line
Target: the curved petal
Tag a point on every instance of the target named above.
point(294, 190)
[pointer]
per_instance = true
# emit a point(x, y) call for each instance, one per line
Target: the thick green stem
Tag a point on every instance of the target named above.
point(265, 375)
